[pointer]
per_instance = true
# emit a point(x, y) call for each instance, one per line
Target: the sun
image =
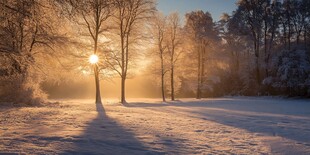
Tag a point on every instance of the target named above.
point(93, 59)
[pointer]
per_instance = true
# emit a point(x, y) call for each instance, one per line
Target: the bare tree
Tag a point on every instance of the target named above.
point(159, 26)
point(173, 42)
point(92, 15)
point(129, 16)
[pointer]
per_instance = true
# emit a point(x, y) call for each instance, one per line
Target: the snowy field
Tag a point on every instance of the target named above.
point(237, 125)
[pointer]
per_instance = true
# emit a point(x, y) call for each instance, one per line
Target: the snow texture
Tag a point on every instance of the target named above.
point(231, 125)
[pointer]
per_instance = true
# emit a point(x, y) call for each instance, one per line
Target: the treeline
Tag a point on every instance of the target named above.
point(269, 46)
point(262, 48)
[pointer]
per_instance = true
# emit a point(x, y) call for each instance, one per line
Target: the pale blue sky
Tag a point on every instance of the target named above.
point(215, 7)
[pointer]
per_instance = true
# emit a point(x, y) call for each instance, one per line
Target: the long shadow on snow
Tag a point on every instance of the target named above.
point(286, 118)
point(170, 144)
point(105, 136)
point(250, 104)
point(290, 127)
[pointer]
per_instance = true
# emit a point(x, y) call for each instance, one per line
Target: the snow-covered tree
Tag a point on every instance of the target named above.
point(129, 18)
point(201, 31)
point(173, 47)
point(159, 33)
point(291, 73)
point(29, 38)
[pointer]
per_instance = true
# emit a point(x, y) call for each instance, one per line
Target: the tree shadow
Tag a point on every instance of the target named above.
point(289, 121)
point(289, 127)
point(287, 118)
point(247, 104)
point(104, 136)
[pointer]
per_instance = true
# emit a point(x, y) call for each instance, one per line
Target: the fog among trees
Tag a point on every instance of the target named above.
point(261, 48)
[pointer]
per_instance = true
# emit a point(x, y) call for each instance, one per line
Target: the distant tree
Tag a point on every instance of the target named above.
point(300, 18)
point(173, 43)
point(200, 28)
point(272, 14)
point(305, 13)
point(129, 16)
point(287, 18)
point(235, 44)
point(159, 32)
point(251, 12)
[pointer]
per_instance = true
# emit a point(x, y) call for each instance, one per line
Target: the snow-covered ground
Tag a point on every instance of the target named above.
point(236, 125)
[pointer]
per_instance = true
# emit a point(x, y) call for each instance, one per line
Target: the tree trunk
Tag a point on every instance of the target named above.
point(265, 48)
point(289, 33)
point(172, 81)
point(297, 37)
point(270, 44)
point(257, 72)
point(163, 88)
point(256, 46)
point(162, 79)
point(202, 68)
point(122, 66)
point(284, 34)
point(199, 75)
point(96, 71)
point(123, 100)
point(98, 96)
point(305, 38)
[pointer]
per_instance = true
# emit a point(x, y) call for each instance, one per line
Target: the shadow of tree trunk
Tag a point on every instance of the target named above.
point(104, 136)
